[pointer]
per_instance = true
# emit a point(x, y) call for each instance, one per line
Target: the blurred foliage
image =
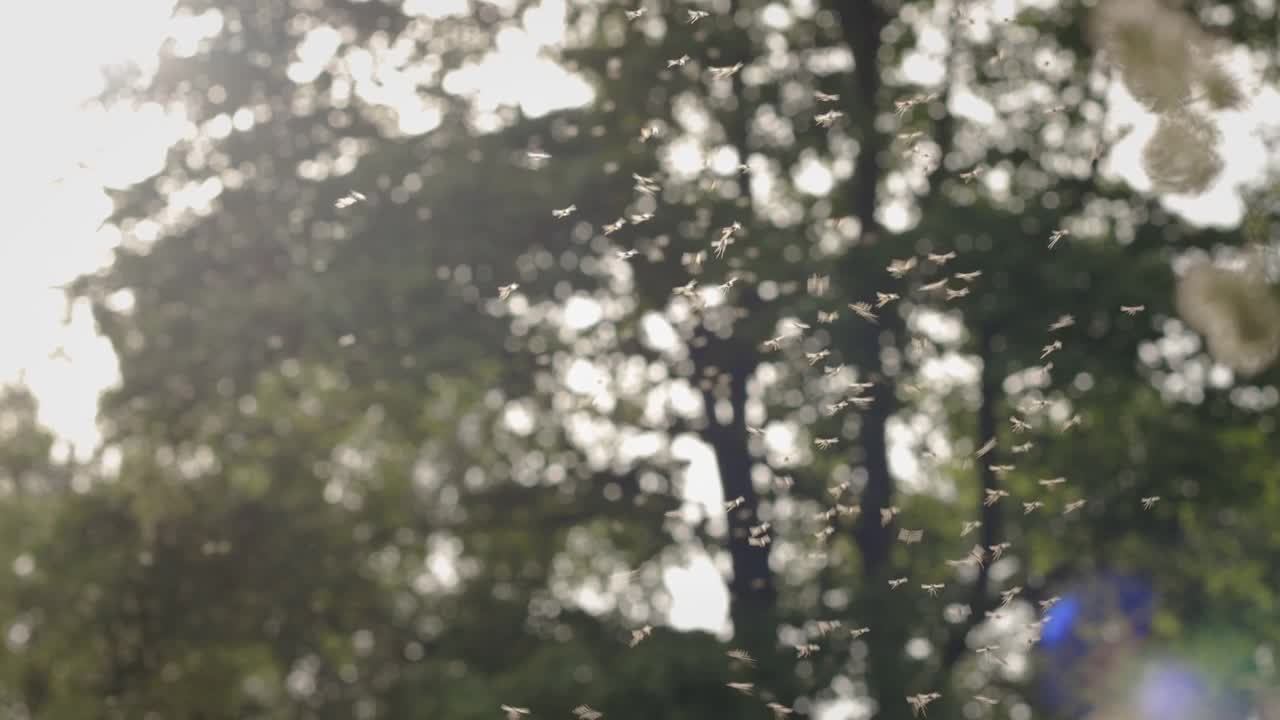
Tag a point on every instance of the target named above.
point(340, 477)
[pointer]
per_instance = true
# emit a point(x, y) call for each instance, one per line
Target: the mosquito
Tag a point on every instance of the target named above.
point(1063, 322)
point(993, 496)
point(863, 310)
point(721, 73)
point(804, 651)
point(887, 515)
point(349, 199)
point(779, 710)
point(978, 556)
point(883, 299)
point(827, 119)
point(921, 701)
point(638, 636)
point(899, 268)
point(817, 357)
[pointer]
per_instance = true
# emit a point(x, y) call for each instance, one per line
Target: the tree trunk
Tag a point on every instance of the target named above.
point(862, 22)
point(752, 593)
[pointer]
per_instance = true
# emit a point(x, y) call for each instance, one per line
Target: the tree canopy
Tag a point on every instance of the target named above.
point(406, 409)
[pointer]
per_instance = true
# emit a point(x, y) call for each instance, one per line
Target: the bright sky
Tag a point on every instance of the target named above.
point(59, 154)
point(54, 205)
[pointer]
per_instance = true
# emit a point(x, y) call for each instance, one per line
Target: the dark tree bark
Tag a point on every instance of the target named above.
point(730, 363)
point(861, 22)
point(752, 593)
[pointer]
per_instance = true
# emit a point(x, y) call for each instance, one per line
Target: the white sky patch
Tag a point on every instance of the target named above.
point(927, 63)
point(1241, 147)
point(702, 486)
point(59, 154)
point(902, 455)
point(843, 709)
point(998, 182)
point(938, 327)
point(684, 398)
point(699, 597)
point(435, 8)
point(780, 439)
point(813, 177)
point(545, 24)
point(314, 52)
point(658, 333)
point(582, 312)
point(966, 104)
point(950, 370)
point(189, 30)
point(592, 598)
point(895, 215)
point(724, 161)
point(518, 73)
point(518, 419)
point(685, 157)
point(775, 16)
point(640, 445)
point(584, 378)
point(925, 68)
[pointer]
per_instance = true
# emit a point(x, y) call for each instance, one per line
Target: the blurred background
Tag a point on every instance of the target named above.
point(678, 359)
